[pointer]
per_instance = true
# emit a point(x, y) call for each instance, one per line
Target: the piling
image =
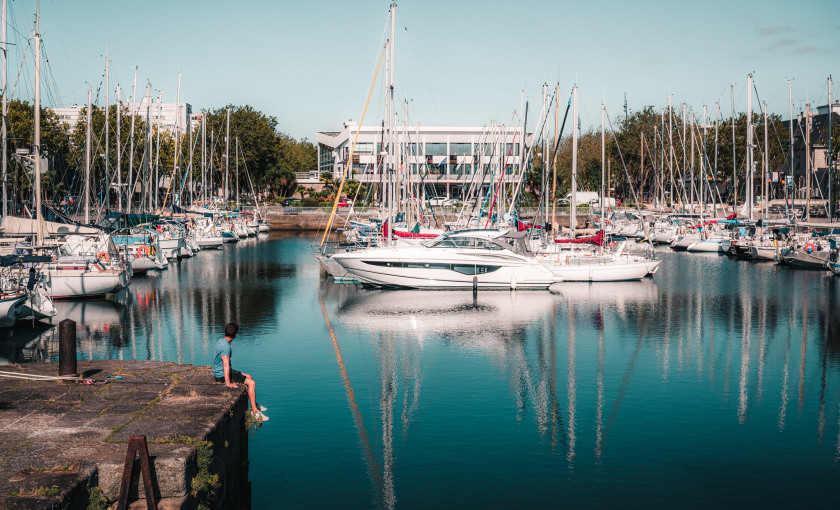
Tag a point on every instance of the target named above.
point(67, 348)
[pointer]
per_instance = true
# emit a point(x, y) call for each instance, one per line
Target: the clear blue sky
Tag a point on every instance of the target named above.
point(309, 63)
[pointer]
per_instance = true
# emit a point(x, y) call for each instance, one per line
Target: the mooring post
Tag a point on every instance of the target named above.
point(67, 347)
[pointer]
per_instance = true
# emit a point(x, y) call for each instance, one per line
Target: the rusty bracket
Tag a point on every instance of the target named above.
point(137, 444)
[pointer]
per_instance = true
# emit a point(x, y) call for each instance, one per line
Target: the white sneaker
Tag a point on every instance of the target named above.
point(261, 407)
point(259, 416)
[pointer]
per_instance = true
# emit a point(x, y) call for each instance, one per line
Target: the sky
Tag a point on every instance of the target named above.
point(458, 62)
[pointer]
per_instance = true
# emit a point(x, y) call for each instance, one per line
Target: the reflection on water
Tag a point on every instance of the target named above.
point(633, 352)
point(716, 381)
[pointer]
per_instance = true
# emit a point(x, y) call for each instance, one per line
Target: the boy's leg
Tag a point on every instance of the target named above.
point(252, 391)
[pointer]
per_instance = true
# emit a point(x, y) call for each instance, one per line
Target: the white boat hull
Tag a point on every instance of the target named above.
point(605, 272)
point(10, 309)
point(437, 273)
point(83, 283)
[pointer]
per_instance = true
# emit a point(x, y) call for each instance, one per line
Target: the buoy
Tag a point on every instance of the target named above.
point(103, 256)
point(809, 247)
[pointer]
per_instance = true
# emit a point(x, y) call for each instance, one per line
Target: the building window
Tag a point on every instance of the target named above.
point(436, 149)
point(460, 149)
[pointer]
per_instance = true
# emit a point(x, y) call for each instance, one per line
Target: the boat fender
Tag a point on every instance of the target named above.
point(103, 255)
point(152, 251)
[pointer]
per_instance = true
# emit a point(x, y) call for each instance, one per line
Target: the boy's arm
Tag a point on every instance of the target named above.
point(226, 363)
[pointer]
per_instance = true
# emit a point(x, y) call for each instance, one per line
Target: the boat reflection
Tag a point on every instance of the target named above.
point(739, 340)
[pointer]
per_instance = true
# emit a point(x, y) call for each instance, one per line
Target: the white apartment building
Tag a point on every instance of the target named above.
point(447, 159)
point(168, 116)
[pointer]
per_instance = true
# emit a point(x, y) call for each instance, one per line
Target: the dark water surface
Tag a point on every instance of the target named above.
point(714, 384)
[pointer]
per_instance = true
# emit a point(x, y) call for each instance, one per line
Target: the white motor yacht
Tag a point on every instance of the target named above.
point(481, 259)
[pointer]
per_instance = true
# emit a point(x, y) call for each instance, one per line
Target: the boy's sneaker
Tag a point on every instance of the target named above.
point(259, 416)
point(261, 407)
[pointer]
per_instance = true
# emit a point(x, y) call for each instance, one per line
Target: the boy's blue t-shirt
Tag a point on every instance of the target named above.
point(222, 349)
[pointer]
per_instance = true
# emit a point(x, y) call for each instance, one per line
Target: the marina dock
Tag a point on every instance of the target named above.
point(62, 439)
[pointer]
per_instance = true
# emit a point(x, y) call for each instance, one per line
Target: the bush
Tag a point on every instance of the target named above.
point(309, 202)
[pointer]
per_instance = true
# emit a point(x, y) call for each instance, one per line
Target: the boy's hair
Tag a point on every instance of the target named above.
point(231, 329)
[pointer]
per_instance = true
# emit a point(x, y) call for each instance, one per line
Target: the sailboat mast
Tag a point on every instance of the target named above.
point(766, 166)
point(87, 158)
point(734, 155)
point(119, 154)
point(603, 164)
point(554, 162)
point(156, 186)
point(3, 127)
point(671, 148)
point(807, 161)
point(828, 155)
point(172, 185)
point(203, 158)
point(391, 138)
point(573, 204)
point(237, 173)
point(129, 196)
point(37, 177)
point(227, 158)
point(749, 191)
point(714, 180)
point(107, 135)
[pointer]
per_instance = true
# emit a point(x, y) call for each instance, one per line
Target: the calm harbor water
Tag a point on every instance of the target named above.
point(714, 384)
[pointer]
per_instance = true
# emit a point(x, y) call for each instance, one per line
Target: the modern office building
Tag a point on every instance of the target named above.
point(445, 159)
point(168, 116)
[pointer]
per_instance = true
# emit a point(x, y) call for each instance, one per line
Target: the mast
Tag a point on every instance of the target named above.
point(39, 239)
point(662, 202)
point(749, 184)
point(177, 139)
point(156, 186)
point(237, 173)
point(107, 135)
point(807, 161)
point(671, 148)
point(203, 158)
point(688, 196)
point(3, 126)
point(766, 165)
point(390, 110)
point(603, 164)
point(715, 192)
point(734, 159)
point(573, 204)
point(830, 169)
point(554, 161)
point(130, 192)
point(699, 195)
point(227, 158)
point(119, 154)
point(145, 195)
point(87, 159)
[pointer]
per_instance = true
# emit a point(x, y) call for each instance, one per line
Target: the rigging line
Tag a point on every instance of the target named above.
point(20, 69)
point(352, 148)
point(423, 73)
point(627, 175)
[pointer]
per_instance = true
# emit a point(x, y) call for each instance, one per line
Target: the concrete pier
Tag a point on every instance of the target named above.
point(61, 439)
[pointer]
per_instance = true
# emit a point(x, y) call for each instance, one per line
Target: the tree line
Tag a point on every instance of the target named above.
point(267, 158)
point(642, 152)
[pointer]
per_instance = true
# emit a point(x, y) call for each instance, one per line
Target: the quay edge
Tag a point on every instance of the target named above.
point(61, 439)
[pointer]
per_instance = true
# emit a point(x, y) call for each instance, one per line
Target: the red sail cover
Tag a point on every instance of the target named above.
point(597, 239)
point(407, 235)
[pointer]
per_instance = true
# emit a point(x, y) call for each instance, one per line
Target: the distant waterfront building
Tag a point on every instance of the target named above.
point(819, 117)
point(446, 159)
point(166, 115)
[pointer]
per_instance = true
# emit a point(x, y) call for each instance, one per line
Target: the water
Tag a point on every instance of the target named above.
point(714, 384)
